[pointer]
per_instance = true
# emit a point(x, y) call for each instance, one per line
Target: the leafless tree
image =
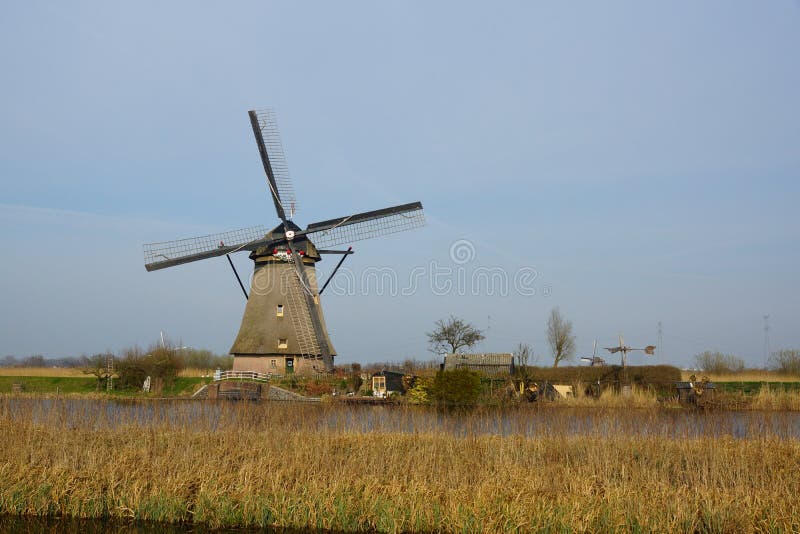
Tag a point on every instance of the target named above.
point(717, 362)
point(525, 356)
point(453, 334)
point(560, 338)
point(786, 361)
point(96, 365)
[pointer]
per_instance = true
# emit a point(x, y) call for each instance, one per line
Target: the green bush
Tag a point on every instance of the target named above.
point(459, 387)
point(420, 392)
point(638, 374)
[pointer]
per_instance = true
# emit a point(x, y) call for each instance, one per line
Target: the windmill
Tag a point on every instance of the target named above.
point(595, 360)
point(283, 321)
point(624, 349)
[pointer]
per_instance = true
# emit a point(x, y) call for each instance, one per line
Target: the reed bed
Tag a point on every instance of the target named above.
point(392, 470)
point(769, 399)
point(637, 397)
point(748, 375)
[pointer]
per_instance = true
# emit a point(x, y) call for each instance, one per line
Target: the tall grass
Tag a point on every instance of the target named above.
point(282, 465)
point(637, 397)
point(747, 375)
point(770, 399)
point(194, 372)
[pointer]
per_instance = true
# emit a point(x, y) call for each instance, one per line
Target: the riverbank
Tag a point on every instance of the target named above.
point(240, 464)
point(182, 386)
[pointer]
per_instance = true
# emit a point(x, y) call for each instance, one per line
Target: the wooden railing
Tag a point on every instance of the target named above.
point(252, 376)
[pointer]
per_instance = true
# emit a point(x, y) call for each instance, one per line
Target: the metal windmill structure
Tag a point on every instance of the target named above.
point(595, 360)
point(624, 349)
point(283, 316)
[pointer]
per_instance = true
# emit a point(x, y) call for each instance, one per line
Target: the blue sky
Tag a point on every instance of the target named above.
point(641, 157)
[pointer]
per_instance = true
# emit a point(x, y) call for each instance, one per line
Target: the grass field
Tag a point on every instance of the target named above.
point(87, 385)
point(275, 465)
point(42, 371)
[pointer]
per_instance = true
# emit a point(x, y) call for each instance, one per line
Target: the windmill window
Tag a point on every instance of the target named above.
point(280, 310)
point(273, 364)
point(283, 343)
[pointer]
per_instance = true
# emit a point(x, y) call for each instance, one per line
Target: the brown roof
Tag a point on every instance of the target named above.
point(488, 363)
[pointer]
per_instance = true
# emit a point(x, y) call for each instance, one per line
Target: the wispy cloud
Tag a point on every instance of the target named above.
point(42, 215)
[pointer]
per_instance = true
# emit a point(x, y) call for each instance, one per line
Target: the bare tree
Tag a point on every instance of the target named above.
point(453, 334)
point(786, 361)
point(560, 338)
point(96, 365)
point(717, 362)
point(525, 356)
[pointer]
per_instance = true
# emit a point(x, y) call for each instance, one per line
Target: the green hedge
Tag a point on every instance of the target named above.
point(641, 375)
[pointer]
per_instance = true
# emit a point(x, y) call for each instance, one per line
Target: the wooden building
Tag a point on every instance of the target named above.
point(386, 382)
point(490, 364)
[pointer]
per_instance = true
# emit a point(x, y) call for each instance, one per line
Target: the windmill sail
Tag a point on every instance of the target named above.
point(366, 225)
point(265, 129)
point(171, 253)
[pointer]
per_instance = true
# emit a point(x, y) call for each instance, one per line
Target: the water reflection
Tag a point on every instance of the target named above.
point(528, 421)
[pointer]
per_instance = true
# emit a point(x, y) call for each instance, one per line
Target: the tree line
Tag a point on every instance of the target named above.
point(454, 335)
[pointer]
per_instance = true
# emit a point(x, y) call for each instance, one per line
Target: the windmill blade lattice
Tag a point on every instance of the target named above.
point(268, 127)
point(170, 253)
point(345, 230)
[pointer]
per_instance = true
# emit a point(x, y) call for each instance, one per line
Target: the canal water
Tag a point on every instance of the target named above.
point(528, 420)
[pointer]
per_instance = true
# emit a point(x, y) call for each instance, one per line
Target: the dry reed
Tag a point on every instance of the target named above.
point(748, 375)
point(43, 371)
point(330, 467)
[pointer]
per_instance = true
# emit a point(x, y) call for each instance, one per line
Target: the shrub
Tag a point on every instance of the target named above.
point(316, 388)
point(786, 361)
point(459, 387)
point(717, 362)
point(639, 374)
point(204, 359)
point(420, 391)
point(161, 364)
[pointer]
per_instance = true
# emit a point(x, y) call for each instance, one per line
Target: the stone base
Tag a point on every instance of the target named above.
point(237, 390)
point(279, 365)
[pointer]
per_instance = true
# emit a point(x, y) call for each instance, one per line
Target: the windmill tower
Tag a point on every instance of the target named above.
point(283, 329)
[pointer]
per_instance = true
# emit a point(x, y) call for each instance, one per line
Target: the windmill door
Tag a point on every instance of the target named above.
point(289, 366)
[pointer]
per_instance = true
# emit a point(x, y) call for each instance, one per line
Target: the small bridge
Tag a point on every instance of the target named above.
point(248, 376)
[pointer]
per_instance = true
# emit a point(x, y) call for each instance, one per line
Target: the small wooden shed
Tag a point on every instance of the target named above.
point(386, 382)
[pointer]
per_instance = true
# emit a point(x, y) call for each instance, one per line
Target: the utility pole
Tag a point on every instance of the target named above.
point(766, 340)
